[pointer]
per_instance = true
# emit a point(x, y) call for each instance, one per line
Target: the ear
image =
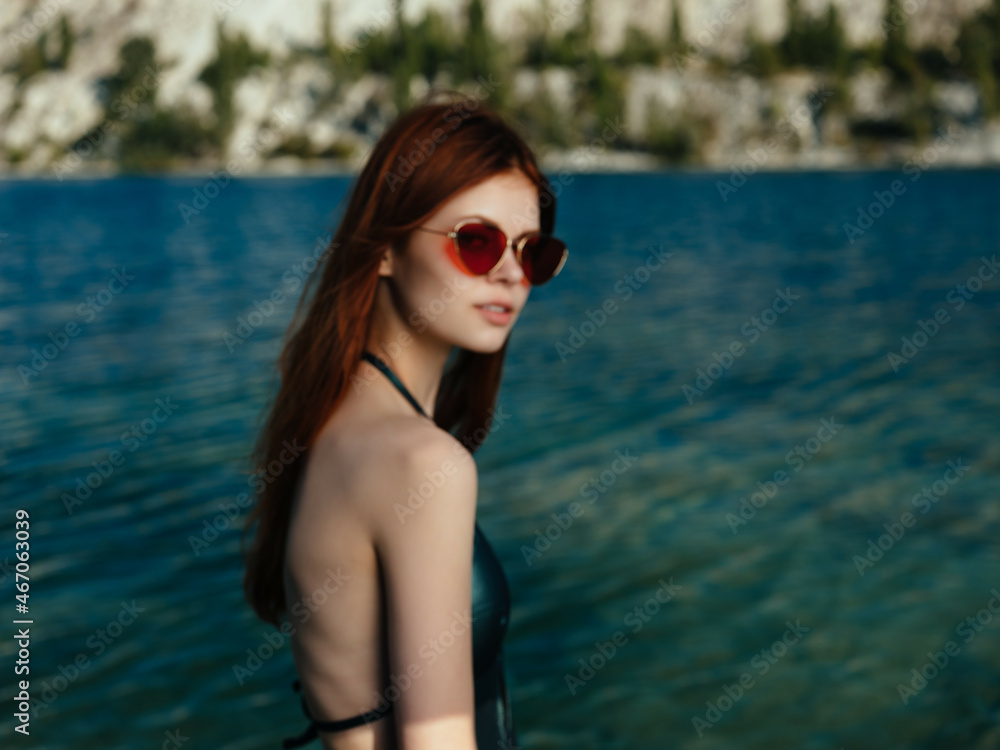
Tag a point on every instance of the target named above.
point(385, 264)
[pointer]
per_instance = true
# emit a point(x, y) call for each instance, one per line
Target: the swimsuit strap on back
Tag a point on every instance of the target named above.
point(330, 726)
point(371, 358)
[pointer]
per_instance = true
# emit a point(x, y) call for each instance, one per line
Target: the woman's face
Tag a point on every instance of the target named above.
point(438, 297)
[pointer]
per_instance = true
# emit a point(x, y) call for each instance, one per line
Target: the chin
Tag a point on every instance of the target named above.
point(484, 348)
point(484, 342)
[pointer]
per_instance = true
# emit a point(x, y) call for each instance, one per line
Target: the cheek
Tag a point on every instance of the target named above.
point(525, 283)
point(449, 250)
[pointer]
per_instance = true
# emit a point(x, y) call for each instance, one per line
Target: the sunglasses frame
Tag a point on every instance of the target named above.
point(518, 248)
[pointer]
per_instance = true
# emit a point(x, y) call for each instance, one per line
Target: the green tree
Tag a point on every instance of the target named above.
point(675, 35)
point(979, 54)
point(896, 53)
point(66, 39)
point(32, 59)
point(674, 139)
point(377, 52)
point(639, 48)
point(36, 57)
point(432, 46)
point(403, 65)
point(831, 42)
point(149, 138)
point(234, 59)
point(570, 49)
point(818, 43)
point(544, 123)
point(477, 58)
point(762, 58)
point(125, 87)
point(601, 97)
point(334, 54)
point(792, 46)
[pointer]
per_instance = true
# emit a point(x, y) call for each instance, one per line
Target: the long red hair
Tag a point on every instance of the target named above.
point(428, 154)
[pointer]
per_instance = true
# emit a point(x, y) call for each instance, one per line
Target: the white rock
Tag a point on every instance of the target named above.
point(56, 106)
point(869, 90)
point(959, 99)
point(60, 107)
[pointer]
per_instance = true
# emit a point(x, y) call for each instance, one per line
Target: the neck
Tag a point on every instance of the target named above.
point(418, 361)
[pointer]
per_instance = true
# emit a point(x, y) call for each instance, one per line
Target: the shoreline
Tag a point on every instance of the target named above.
point(335, 169)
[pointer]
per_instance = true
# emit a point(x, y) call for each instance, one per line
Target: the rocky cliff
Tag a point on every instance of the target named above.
point(92, 85)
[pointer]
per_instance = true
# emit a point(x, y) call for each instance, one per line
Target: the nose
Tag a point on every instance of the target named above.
point(509, 269)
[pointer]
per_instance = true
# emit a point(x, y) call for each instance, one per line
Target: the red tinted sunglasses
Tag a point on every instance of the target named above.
point(481, 248)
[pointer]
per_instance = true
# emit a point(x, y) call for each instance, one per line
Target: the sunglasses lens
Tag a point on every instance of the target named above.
point(480, 246)
point(542, 255)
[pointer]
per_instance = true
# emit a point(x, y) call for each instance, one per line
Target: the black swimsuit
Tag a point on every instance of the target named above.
point(490, 614)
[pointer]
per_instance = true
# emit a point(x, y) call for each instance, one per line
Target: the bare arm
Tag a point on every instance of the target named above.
point(425, 550)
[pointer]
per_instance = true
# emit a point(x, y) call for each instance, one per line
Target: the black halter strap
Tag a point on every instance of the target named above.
point(329, 726)
point(371, 358)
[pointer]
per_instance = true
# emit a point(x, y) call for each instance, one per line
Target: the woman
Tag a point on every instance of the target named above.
point(368, 540)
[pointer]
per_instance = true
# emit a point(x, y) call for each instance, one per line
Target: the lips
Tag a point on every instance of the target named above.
point(497, 305)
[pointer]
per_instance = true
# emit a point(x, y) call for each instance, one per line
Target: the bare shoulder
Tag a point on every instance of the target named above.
point(431, 481)
point(423, 536)
point(397, 466)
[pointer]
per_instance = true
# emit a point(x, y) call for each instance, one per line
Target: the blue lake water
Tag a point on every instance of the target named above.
point(752, 359)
